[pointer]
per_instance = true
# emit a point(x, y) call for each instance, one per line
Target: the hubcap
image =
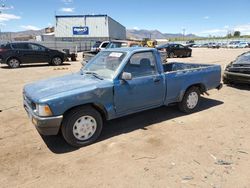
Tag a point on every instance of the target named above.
point(192, 100)
point(84, 127)
point(14, 63)
point(57, 61)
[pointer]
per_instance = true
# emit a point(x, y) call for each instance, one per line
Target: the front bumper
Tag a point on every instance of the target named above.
point(44, 125)
point(236, 77)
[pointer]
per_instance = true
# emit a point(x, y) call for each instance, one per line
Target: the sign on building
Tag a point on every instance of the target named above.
point(81, 30)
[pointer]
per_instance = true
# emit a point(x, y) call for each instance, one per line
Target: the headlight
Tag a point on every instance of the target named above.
point(43, 110)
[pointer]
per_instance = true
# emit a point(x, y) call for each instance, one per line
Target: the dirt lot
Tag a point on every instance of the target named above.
point(156, 148)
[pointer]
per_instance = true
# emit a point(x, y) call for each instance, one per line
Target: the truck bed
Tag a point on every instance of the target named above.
point(179, 76)
point(175, 66)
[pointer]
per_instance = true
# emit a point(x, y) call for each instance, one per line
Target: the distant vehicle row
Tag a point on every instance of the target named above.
point(172, 49)
point(232, 44)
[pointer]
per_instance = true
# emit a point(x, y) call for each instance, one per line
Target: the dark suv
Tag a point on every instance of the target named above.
point(14, 54)
point(176, 50)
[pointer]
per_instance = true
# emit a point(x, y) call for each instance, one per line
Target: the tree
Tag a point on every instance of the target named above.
point(229, 35)
point(237, 34)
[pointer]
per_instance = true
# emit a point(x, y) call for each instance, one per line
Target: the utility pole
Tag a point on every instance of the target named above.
point(183, 35)
point(2, 8)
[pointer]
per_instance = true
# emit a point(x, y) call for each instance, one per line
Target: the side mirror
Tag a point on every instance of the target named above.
point(126, 76)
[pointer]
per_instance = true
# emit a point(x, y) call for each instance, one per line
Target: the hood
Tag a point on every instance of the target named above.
point(49, 87)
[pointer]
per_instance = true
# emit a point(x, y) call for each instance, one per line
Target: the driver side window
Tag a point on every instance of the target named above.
point(36, 47)
point(141, 64)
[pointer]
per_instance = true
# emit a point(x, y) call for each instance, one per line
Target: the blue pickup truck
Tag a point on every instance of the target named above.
point(115, 83)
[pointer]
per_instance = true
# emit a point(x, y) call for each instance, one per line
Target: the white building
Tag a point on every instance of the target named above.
point(88, 27)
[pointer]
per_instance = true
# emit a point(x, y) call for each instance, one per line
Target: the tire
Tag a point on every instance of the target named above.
point(190, 101)
point(171, 55)
point(82, 126)
point(13, 63)
point(56, 61)
point(73, 57)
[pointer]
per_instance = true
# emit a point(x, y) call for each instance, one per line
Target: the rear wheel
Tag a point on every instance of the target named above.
point(13, 63)
point(56, 61)
point(190, 101)
point(82, 126)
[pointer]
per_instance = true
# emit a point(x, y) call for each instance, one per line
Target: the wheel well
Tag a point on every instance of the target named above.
point(200, 86)
point(12, 58)
point(97, 107)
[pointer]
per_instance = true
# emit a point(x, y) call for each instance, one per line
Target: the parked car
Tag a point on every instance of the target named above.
point(115, 83)
point(17, 53)
point(243, 45)
point(98, 46)
point(233, 44)
point(122, 44)
point(213, 45)
point(238, 71)
point(113, 44)
point(197, 46)
point(176, 50)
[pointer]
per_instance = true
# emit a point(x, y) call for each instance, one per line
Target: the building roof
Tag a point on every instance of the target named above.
point(87, 15)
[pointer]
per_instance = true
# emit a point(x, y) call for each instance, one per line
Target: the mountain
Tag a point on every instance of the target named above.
point(21, 35)
point(131, 34)
point(154, 34)
point(139, 34)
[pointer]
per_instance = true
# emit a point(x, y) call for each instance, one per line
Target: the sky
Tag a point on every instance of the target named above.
point(200, 17)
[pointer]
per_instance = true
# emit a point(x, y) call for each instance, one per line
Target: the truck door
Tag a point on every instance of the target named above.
point(144, 90)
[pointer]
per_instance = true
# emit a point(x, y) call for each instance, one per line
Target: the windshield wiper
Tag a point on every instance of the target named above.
point(94, 74)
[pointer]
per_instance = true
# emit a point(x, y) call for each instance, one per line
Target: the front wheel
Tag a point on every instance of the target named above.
point(190, 101)
point(82, 126)
point(56, 61)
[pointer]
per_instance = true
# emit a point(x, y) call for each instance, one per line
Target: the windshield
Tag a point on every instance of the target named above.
point(114, 45)
point(243, 59)
point(104, 64)
point(97, 44)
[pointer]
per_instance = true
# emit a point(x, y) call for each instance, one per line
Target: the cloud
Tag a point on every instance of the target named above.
point(244, 29)
point(67, 1)
point(30, 27)
point(64, 9)
point(135, 28)
point(7, 17)
point(6, 8)
point(206, 17)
